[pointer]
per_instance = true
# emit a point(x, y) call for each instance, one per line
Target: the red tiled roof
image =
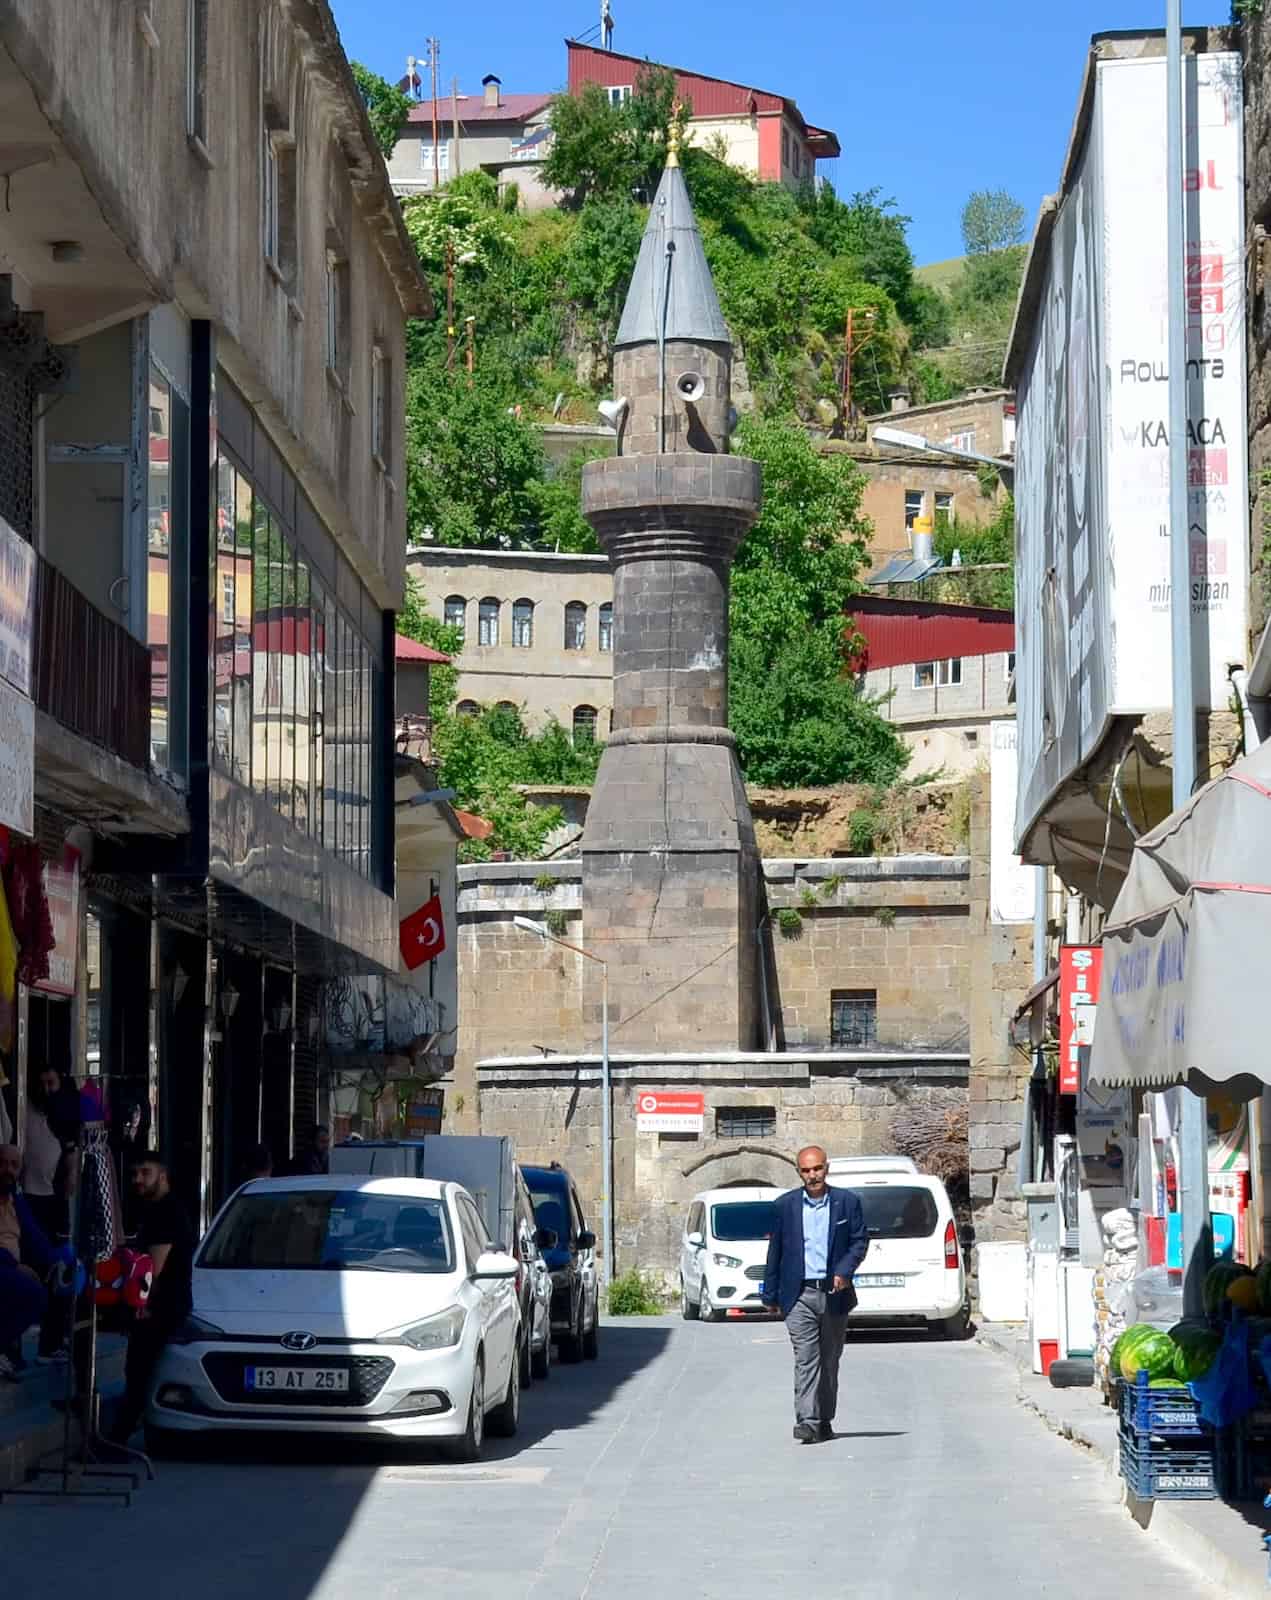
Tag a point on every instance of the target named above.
point(711, 97)
point(475, 827)
point(472, 108)
point(411, 650)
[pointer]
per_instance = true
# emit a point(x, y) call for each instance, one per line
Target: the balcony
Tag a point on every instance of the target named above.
point(91, 675)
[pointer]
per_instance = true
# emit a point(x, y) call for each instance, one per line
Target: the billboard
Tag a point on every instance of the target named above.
point(1093, 447)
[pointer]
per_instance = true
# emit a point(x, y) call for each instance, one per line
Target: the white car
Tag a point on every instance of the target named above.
point(913, 1270)
point(344, 1304)
point(723, 1252)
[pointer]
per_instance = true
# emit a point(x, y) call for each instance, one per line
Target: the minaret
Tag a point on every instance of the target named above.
point(670, 868)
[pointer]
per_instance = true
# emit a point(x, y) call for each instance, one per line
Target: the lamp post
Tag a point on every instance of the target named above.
point(606, 1150)
point(902, 440)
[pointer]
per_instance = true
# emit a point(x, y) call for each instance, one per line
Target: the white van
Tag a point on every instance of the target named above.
point(913, 1270)
point(723, 1252)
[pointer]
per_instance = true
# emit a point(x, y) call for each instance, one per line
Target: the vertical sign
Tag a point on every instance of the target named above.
point(61, 887)
point(17, 607)
point(1012, 886)
point(1079, 968)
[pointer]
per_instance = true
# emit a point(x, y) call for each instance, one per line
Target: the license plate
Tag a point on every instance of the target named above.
point(879, 1280)
point(296, 1380)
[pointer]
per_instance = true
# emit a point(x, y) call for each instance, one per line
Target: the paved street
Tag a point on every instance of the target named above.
point(666, 1468)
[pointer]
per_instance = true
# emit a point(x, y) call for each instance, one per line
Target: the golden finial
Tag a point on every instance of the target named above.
point(674, 133)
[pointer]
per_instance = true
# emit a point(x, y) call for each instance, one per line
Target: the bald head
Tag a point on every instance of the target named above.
point(813, 1166)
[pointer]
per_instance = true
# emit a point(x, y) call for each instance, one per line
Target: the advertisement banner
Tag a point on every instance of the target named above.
point(61, 888)
point(17, 760)
point(1080, 967)
point(679, 1112)
point(423, 1113)
point(17, 607)
point(1012, 886)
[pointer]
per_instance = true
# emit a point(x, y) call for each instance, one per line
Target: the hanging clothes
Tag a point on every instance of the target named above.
point(29, 910)
point(8, 977)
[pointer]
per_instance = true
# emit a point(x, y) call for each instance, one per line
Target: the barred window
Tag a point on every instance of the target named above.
point(853, 1018)
point(745, 1122)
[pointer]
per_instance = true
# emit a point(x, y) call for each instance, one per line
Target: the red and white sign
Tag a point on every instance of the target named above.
point(1080, 966)
point(422, 935)
point(678, 1112)
point(61, 888)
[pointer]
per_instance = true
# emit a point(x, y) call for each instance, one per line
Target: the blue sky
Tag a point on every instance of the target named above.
point(929, 100)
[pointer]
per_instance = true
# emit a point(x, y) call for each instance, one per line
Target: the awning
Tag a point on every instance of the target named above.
point(1185, 969)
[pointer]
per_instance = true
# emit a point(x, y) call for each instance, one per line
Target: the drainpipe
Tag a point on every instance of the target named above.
point(1240, 687)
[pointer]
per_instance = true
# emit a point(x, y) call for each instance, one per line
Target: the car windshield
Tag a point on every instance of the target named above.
point(343, 1230)
point(551, 1211)
point(742, 1219)
point(898, 1212)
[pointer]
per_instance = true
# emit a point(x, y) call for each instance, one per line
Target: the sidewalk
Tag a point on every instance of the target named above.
point(1223, 1541)
point(30, 1425)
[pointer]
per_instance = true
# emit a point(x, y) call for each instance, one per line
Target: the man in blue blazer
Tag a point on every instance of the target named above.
point(817, 1243)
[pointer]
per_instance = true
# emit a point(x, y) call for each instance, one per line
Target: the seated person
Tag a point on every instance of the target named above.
point(26, 1256)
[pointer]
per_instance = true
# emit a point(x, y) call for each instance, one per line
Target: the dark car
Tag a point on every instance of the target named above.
point(571, 1262)
point(533, 1284)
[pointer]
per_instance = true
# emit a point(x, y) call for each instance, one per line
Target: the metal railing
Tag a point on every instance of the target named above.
point(91, 675)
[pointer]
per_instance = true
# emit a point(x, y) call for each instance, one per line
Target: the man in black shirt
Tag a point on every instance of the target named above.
point(166, 1237)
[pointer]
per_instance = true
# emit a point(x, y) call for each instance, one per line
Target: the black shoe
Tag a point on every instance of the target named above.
point(825, 1431)
point(805, 1433)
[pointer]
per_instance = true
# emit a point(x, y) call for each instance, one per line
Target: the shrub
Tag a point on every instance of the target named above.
point(556, 922)
point(635, 1294)
point(862, 831)
point(789, 922)
point(885, 916)
point(545, 883)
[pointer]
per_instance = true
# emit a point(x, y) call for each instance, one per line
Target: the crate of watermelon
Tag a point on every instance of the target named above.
point(1154, 1369)
point(1154, 1470)
point(1158, 1406)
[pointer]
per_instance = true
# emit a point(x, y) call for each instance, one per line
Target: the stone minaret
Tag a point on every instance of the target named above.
point(670, 868)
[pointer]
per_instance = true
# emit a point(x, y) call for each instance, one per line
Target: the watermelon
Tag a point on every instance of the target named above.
point(1194, 1350)
point(1146, 1349)
point(1218, 1280)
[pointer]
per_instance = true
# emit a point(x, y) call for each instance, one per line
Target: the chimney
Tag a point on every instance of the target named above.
point(899, 398)
point(491, 85)
point(924, 547)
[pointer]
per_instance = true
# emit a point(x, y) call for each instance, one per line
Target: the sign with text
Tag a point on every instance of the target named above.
point(1080, 966)
point(17, 760)
point(680, 1111)
point(61, 888)
point(17, 607)
point(423, 1113)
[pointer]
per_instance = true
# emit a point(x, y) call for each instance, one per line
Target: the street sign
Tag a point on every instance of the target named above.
point(1080, 966)
point(678, 1112)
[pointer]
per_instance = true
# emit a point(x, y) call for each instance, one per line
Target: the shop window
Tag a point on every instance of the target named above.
point(853, 1019)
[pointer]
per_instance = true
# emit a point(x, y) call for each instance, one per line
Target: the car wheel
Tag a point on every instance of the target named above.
point(541, 1360)
point(467, 1447)
point(955, 1327)
point(591, 1339)
point(689, 1309)
point(571, 1343)
point(506, 1416)
point(707, 1306)
point(524, 1361)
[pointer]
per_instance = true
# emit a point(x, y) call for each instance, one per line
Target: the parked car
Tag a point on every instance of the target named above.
point(346, 1304)
point(533, 1286)
point(913, 1270)
point(723, 1251)
point(571, 1261)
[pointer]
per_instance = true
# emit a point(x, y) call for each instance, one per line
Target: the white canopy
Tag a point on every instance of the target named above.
point(1187, 946)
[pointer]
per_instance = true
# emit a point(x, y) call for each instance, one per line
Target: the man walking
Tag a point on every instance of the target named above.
point(817, 1243)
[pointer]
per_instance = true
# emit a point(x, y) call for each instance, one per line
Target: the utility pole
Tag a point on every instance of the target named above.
point(470, 324)
point(434, 51)
point(849, 347)
point(450, 305)
point(454, 121)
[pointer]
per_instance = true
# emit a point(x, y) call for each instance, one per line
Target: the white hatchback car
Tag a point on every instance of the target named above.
point(723, 1252)
point(913, 1269)
point(342, 1304)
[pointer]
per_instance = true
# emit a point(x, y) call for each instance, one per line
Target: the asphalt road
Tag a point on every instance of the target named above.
point(664, 1469)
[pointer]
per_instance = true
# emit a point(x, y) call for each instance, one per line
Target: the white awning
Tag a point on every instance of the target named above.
point(1185, 996)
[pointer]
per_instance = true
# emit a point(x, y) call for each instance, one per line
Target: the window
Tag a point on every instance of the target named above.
point(896, 1211)
point(737, 1220)
point(508, 705)
point(944, 510)
point(488, 622)
point(619, 93)
point(381, 414)
point(913, 507)
point(337, 298)
point(227, 597)
point(745, 1122)
point(468, 708)
point(523, 623)
point(606, 628)
point(1010, 664)
point(476, 1241)
point(938, 674)
point(455, 611)
point(964, 439)
point(196, 70)
point(853, 1018)
point(279, 204)
point(314, 1230)
point(584, 724)
point(575, 625)
point(443, 160)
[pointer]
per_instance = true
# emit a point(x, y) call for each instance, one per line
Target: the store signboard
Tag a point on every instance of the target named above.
point(423, 1113)
point(17, 760)
point(679, 1112)
point(1080, 966)
point(61, 888)
point(17, 607)
point(1012, 885)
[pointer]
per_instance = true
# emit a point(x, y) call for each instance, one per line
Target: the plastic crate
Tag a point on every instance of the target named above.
point(1154, 1472)
point(1163, 1411)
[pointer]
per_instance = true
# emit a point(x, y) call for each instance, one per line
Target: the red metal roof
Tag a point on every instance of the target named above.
point(472, 108)
point(475, 827)
point(898, 632)
point(411, 650)
point(711, 97)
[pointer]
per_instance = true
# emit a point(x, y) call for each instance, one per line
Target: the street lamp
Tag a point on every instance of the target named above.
point(915, 441)
point(606, 1153)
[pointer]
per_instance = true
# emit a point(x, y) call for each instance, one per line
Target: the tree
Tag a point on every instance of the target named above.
point(606, 151)
point(386, 106)
point(415, 621)
point(797, 714)
point(991, 220)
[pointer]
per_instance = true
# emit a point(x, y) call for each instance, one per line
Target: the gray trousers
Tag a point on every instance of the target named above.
point(817, 1337)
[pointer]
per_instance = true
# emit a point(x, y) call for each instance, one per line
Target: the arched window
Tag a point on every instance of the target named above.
point(575, 625)
point(456, 611)
point(584, 724)
point(508, 705)
point(488, 621)
point(523, 623)
point(468, 708)
point(606, 627)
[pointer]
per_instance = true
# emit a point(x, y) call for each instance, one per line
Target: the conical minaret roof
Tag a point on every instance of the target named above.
point(692, 306)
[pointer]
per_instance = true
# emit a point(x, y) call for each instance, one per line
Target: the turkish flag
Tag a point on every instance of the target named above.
point(423, 934)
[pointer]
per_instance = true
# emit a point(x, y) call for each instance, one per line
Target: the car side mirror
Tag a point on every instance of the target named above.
point(967, 1235)
point(696, 1240)
point(586, 1240)
point(495, 1264)
point(545, 1238)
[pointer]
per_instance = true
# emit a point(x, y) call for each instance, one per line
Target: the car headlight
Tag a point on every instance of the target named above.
point(726, 1261)
point(433, 1333)
point(194, 1330)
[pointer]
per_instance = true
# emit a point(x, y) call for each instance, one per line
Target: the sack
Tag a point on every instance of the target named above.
point(1226, 1392)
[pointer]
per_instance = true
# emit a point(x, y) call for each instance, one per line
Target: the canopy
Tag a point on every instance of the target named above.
point(1185, 948)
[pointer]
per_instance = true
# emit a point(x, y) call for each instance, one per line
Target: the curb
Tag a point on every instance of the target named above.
point(1214, 1538)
